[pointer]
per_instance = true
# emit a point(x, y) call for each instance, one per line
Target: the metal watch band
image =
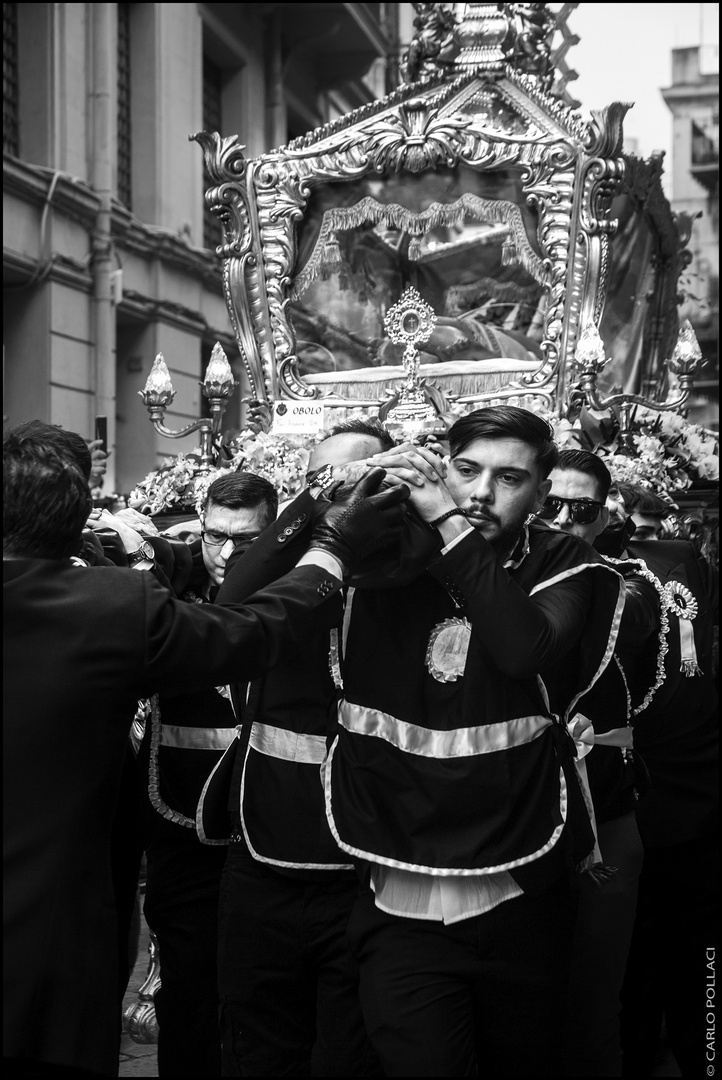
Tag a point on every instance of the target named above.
point(323, 478)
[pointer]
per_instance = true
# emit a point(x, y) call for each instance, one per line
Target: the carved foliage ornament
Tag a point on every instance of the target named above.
point(415, 138)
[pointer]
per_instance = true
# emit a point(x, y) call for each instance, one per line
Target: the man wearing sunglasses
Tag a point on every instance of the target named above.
point(577, 505)
point(185, 736)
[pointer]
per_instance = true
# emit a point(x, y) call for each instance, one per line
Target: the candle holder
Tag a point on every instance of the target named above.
point(684, 363)
point(218, 386)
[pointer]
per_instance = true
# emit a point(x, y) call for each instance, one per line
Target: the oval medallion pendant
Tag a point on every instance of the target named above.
point(447, 649)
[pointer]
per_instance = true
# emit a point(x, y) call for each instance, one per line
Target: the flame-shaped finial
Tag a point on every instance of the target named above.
point(158, 389)
point(687, 355)
point(218, 381)
point(589, 353)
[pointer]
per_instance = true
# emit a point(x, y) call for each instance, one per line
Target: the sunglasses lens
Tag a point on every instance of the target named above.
point(581, 513)
point(584, 513)
point(549, 510)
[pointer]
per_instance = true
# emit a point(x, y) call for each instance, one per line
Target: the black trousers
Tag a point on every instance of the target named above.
point(675, 936)
point(30, 1067)
point(288, 984)
point(484, 996)
point(181, 908)
point(602, 937)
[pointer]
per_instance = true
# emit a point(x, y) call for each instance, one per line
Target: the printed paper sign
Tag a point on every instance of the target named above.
point(297, 418)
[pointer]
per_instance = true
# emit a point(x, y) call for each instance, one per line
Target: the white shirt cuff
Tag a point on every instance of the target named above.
point(455, 541)
point(325, 560)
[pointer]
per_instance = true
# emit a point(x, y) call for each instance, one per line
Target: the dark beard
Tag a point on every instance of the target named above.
point(505, 541)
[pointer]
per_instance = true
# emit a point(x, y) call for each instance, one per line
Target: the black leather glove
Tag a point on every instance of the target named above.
point(359, 519)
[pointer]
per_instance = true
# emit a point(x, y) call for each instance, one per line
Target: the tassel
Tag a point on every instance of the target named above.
point(332, 251)
point(599, 873)
point(508, 252)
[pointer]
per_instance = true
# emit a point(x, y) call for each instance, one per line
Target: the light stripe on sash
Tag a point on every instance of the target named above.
point(461, 742)
point(196, 738)
point(288, 745)
point(613, 629)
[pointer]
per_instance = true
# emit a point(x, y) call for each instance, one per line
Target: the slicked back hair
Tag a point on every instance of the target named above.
point(46, 501)
point(372, 429)
point(243, 491)
point(506, 422)
point(584, 461)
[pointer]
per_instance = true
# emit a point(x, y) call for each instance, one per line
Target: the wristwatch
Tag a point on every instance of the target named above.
point(146, 551)
point(321, 478)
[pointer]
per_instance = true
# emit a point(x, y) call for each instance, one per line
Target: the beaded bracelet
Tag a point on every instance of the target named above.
point(449, 513)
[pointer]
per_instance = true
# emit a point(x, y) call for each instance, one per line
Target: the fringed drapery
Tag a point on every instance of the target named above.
point(326, 254)
point(460, 377)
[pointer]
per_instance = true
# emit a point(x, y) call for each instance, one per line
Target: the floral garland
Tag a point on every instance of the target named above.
point(180, 484)
point(668, 453)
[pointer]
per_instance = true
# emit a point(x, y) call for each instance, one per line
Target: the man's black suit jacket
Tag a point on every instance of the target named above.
point(81, 646)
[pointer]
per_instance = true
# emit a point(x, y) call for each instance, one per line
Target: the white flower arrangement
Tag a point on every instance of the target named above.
point(670, 454)
point(180, 484)
point(667, 454)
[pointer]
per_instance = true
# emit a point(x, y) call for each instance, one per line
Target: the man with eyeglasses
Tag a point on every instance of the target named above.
point(106, 637)
point(185, 736)
point(577, 505)
point(288, 983)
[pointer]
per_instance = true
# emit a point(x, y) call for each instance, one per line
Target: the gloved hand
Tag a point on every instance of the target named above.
point(359, 519)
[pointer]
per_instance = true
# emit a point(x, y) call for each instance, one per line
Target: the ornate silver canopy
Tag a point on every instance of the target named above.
point(477, 184)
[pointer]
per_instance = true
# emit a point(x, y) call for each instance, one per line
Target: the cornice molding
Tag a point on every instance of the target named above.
point(75, 199)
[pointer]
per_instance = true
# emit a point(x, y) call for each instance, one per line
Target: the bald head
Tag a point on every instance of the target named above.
point(343, 448)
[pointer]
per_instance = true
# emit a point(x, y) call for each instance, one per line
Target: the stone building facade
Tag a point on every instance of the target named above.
point(108, 250)
point(693, 99)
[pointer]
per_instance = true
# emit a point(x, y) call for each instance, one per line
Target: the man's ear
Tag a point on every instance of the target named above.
point(541, 493)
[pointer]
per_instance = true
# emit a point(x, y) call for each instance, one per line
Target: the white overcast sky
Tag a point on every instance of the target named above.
point(625, 54)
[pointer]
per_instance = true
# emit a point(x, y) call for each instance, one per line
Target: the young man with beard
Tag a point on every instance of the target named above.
point(450, 778)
